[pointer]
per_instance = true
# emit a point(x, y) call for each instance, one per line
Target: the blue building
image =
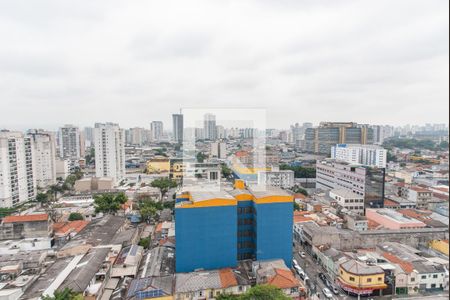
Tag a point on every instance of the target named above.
point(217, 229)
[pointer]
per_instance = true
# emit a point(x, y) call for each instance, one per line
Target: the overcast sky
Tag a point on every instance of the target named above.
point(131, 62)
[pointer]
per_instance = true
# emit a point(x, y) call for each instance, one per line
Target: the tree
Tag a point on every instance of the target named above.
point(264, 292)
point(145, 242)
point(164, 184)
point(296, 206)
point(90, 156)
point(147, 212)
point(42, 198)
point(200, 157)
point(300, 190)
point(228, 297)
point(149, 208)
point(75, 216)
point(109, 203)
point(226, 172)
point(300, 172)
point(54, 189)
point(66, 294)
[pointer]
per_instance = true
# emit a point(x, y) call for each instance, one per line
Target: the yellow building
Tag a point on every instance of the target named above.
point(177, 167)
point(158, 165)
point(440, 245)
point(357, 277)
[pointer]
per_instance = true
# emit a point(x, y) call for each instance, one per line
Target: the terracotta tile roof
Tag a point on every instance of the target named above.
point(440, 196)
point(63, 228)
point(418, 189)
point(406, 266)
point(58, 225)
point(227, 278)
point(300, 218)
point(372, 224)
point(126, 205)
point(159, 227)
point(284, 279)
point(25, 218)
point(241, 153)
point(419, 215)
point(390, 203)
point(301, 213)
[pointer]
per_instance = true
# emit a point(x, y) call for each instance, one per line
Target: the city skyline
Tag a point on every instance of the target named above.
point(377, 63)
point(168, 126)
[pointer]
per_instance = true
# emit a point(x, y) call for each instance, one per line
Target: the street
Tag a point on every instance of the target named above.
point(312, 269)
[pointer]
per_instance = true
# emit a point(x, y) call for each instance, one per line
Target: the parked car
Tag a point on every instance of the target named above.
point(334, 290)
point(302, 254)
point(323, 277)
point(302, 275)
point(327, 293)
point(295, 262)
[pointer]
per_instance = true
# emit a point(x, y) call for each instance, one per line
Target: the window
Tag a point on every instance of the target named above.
point(369, 279)
point(413, 279)
point(424, 277)
point(435, 276)
point(380, 279)
point(351, 278)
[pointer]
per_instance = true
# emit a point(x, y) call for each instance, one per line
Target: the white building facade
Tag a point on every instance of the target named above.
point(278, 178)
point(44, 162)
point(348, 200)
point(69, 142)
point(17, 180)
point(109, 141)
point(157, 130)
point(369, 155)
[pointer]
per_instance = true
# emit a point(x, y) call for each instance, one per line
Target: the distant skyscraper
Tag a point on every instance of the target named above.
point(209, 127)
point(137, 136)
point(177, 128)
point(44, 152)
point(328, 134)
point(109, 151)
point(17, 181)
point(69, 142)
point(297, 132)
point(89, 136)
point(157, 130)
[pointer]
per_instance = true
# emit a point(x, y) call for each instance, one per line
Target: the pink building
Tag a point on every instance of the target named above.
point(392, 219)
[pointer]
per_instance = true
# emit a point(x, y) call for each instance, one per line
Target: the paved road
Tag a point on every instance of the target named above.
point(313, 269)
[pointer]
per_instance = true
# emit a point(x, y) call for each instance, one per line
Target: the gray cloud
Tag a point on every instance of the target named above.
point(134, 62)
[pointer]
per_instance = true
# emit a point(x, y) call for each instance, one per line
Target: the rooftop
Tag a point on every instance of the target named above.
point(160, 261)
point(359, 268)
point(406, 266)
point(150, 287)
point(394, 215)
point(346, 194)
point(79, 279)
point(97, 232)
point(201, 280)
point(47, 278)
point(25, 218)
